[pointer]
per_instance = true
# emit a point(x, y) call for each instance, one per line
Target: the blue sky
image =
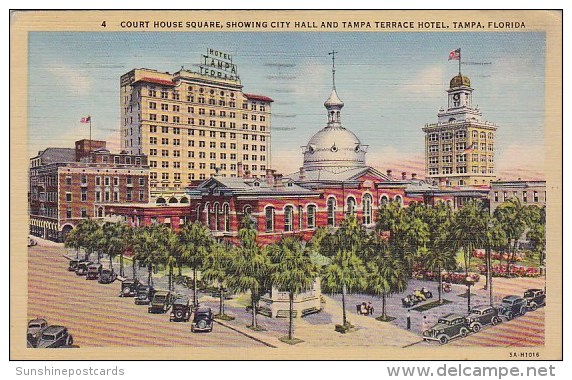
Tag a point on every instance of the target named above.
point(391, 83)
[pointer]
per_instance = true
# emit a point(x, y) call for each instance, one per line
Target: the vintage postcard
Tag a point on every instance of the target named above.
point(286, 185)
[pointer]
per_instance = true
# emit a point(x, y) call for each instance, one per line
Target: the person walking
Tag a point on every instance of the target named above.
point(425, 325)
point(408, 319)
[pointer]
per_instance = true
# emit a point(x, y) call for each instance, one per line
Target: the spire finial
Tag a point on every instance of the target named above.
point(333, 54)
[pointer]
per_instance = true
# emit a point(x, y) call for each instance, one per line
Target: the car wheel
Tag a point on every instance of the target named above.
point(510, 316)
point(179, 314)
point(496, 321)
point(211, 329)
point(533, 307)
point(523, 310)
point(476, 327)
point(443, 339)
point(464, 332)
point(69, 340)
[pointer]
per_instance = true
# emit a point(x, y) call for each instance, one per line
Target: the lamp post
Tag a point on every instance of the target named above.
point(469, 281)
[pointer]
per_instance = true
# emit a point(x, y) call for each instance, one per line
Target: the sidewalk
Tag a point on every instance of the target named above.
point(45, 243)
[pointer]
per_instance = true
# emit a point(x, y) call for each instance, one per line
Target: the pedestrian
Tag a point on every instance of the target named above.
point(408, 319)
point(370, 308)
point(425, 325)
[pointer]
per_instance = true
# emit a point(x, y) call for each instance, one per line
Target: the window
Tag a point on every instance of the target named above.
point(288, 218)
point(366, 202)
point(535, 197)
point(331, 205)
point(226, 216)
point(68, 213)
point(300, 216)
point(83, 212)
point(525, 196)
point(311, 216)
point(351, 206)
point(433, 137)
point(68, 197)
point(269, 213)
point(496, 196)
point(141, 181)
point(83, 195)
point(398, 199)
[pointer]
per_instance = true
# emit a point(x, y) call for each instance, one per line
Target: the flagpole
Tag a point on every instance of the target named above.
point(89, 153)
point(459, 61)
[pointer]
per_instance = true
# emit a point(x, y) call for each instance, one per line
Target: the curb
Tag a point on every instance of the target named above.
point(245, 334)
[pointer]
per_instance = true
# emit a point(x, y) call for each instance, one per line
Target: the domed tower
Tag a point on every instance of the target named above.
point(334, 148)
point(459, 148)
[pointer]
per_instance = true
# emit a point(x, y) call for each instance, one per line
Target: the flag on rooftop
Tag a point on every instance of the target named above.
point(85, 119)
point(455, 55)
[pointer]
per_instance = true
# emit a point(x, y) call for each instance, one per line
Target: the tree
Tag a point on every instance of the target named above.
point(495, 239)
point(292, 270)
point(385, 274)
point(346, 271)
point(147, 250)
point(217, 268)
point(537, 231)
point(513, 218)
point(73, 240)
point(168, 244)
point(112, 240)
point(194, 244)
point(250, 268)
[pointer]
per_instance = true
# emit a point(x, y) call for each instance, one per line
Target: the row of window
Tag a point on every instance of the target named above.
point(202, 155)
point(460, 135)
point(460, 146)
point(202, 111)
point(462, 170)
point(461, 158)
point(107, 195)
point(106, 180)
point(202, 166)
point(202, 132)
point(202, 144)
point(515, 194)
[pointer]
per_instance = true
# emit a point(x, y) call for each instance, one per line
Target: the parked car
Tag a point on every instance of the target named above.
point(35, 329)
point(481, 316)
point(181, 310)
point(129, 287)
point(55, 336)
point(512, 306)
point(535, 298)
point(447, 328)
point(93, 271)
point(144, 295)
point(203, 320)
point(73, 264)
point(107, 276)
point(82, 267)
point(161, 301)
point(32, 242)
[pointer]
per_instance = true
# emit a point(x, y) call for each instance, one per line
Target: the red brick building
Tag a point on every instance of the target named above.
point(64, 191)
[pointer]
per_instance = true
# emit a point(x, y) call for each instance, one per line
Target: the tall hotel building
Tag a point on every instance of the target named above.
point(459, 148)
point(192, 125)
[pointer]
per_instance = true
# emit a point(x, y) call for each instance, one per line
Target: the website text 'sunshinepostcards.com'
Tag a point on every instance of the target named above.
point(454, 370)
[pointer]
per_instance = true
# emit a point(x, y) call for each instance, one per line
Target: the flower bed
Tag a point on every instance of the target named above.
point(452, 277)
point(480, 254)
point(515, 271)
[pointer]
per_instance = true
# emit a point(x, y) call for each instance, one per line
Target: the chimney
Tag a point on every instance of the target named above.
point(389, 173)
point(239, 173)
point(302, 173)
point(413, 175)
point(278, 180)
point(270, 177)
point(403, 175)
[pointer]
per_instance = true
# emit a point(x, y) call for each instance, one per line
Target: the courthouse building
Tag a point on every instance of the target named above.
point(193, 125)
point(69, 185)
point(459, 148)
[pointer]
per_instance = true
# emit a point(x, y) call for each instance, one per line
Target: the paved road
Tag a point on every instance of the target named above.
point(97, 317)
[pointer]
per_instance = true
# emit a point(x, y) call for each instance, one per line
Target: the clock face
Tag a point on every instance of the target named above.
point(456, 96)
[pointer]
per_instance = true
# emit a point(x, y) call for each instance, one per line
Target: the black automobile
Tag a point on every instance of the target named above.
point(161, 302)
point(129, 287)
point(481, 316)
point(73, 264)
point(93, 271)
point(512, 306)
point(535, 298)
point(447, 328)
point(181, 310)
point(35, 329)
point(203, 320)
point(54, 337)
point(82, 268)
point(107, 276)
point(144, 295)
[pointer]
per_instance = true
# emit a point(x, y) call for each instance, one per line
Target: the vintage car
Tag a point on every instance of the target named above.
point(181, 311)
point(481, 316)
point(203, 320)
point(535, 298)
point(144, 295)
point(512, 306)
point(55, 336)
point(129, 287)
point(35, 329)
point(32, 242)
point(93, 271)
point(161, 302)
point(107, 276)
point(82, 267)
point(72, 266)
point(447, 328)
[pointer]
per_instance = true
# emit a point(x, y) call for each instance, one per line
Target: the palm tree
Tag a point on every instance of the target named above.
point(495, 240)
point(438, 259)
point(249, 269)
point(146, 249)
point(112, 240)
point(404, 236)
point(386, 275)
point(217, 268)
point(346, 271)
point(194, 243)
point(513, 218)
point(73, 240)
point(292, 271)
point(537, 231)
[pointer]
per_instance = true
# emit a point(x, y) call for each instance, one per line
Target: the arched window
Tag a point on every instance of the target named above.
point(100, 212)
point(300, 217)
point(173, 200)
point(311, 216)
point(288, 218)
point(216, 217)
point(198, 211)
point(383, 200)
point(366, 202)
point(226, 212)
point(331, 212)
point(160, 200)
point(207, 215)
point(269, 213)
point(399, 200)
point(247, 210)
point(351, 206)
point(184, 200)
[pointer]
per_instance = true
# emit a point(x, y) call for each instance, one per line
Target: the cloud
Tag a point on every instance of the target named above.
point(428, 82)
point(76, 80)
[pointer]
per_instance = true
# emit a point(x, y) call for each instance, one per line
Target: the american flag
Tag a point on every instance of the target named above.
point(85, 119)
point(455, 55)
